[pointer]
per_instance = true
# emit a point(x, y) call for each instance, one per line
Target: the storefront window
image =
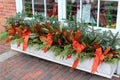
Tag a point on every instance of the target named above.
point(103, 14)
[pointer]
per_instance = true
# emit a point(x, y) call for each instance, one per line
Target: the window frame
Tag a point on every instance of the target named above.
point(62, 12)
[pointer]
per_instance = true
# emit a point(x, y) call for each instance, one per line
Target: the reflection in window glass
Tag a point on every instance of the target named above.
point(39, 6)
point(28, 7)
point(52, 8)
point(73, 7)
point(108, 14)
point(89, 12)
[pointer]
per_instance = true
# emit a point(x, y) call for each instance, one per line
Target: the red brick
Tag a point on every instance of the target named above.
point(36, 74)
point(7, 8)
point(3, 48)
point(26, 76)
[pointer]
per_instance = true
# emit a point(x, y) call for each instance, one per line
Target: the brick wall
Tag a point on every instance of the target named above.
point(7, 8)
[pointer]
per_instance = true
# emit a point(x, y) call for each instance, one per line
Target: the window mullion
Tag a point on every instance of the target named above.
point(80, 10)
point(45, 8)
point(118, 18)
point(33, 9)
point(98, 13)
point(62, 9)
point(19, 5)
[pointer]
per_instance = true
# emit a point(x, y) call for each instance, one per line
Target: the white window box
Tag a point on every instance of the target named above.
point(104, 69)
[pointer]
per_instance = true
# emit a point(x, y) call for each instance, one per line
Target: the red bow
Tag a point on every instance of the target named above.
point(98, 58)
point(25, 35)
point(78, 47)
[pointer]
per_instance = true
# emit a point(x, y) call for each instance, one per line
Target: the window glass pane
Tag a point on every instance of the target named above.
point(108, 14)
point(39, 6)
point(89, 12)
point(52, 8)
point(28, 7)
point(72, 9)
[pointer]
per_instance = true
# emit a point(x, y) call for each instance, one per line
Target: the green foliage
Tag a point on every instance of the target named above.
point(109, 39)
point(3, 36)
point(70, 25)
point(66, 51)
point(57, 50)
point(18, 19)
point(16, 41)
point(89, 36)
point(83, 56)
point(112, 60)
point(37, 17)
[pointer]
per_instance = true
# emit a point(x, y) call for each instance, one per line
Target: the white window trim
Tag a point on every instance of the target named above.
point(118, 18)
point(33, 9)
point(19, 5)
point(61, 10)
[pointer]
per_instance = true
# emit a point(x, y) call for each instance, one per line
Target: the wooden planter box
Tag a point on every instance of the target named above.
point(104, 69)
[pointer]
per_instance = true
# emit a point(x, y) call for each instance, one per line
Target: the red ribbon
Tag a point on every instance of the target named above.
point(49, 42)
point(25, 35)
point(75, 64)
point(78, 47)
point(98, 58)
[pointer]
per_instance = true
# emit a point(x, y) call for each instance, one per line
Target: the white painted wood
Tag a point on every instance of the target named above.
point(118, 17)
point(80, 10)
point(19, 5)
point(33, 8)
point(104, 69)
point(98, 13)
point(118, 69)
point(45, 8)
point(61, 10)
